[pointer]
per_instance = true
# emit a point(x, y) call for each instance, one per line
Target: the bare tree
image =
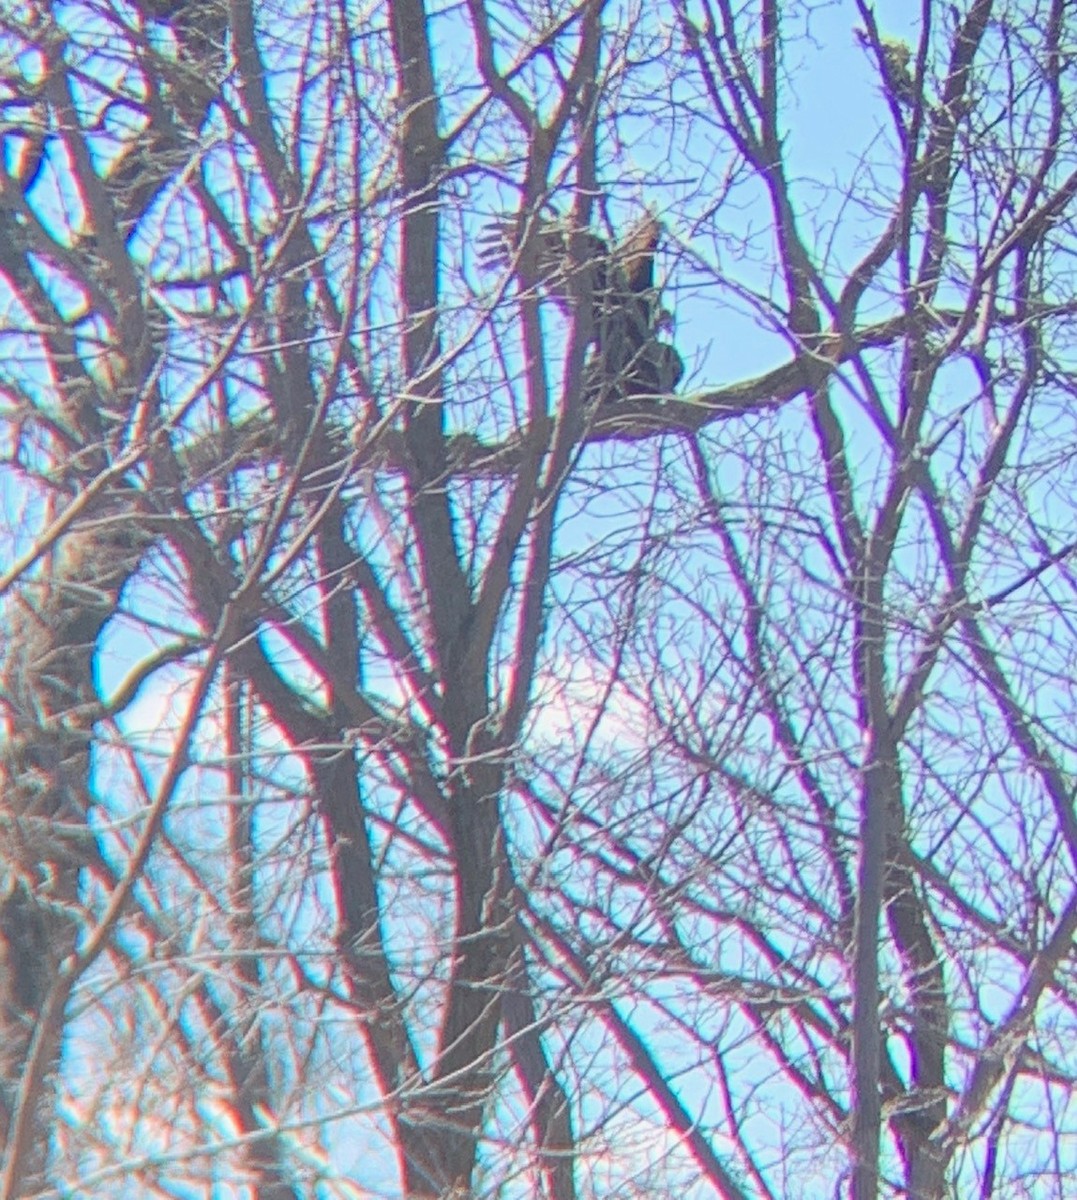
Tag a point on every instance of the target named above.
point(538, 600)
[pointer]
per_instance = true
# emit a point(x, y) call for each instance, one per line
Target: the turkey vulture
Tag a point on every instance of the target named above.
point(628, 358)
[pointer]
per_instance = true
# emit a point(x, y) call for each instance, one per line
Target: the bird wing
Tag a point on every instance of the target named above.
point(502, 242)
point(634, 255)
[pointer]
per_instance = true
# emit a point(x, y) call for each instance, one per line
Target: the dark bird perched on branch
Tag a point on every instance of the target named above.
point(628, 359)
